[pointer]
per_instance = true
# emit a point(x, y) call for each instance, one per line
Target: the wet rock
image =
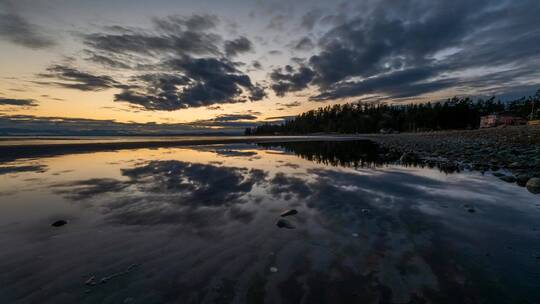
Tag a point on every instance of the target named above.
point(533, 185)
point(498, 174)
point(282, 223)
point(508, 179)
point(521, 179)
point(59, 223)
point(289, 212)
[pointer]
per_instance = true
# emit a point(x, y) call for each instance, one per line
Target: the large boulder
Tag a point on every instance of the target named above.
point(533, 185)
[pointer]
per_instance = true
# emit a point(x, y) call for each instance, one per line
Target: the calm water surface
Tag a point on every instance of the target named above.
point(198, 225)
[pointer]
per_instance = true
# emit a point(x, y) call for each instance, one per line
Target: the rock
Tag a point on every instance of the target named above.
point(355, 235)
point(365, 211)
point(282, 223)
point(289, 212)
point(508, 179)
point(59, 223)
point(498, 174)
point(533, 185)
point(521, 179)
point(273, 269)
point(471, 210)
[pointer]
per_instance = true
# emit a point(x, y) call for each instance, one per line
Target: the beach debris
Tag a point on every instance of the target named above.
point(91, 281)
point(282, 223)
point(273, 269)
point(533, 185)
point(59, 223)
point(289, 212)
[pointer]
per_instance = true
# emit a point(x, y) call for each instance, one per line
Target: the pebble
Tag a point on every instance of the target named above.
point(282, 223)
point(289, 212)
point(59, 223)
point(533, 185)
point(273, 269)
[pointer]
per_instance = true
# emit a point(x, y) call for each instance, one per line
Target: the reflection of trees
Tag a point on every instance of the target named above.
point(357, 153)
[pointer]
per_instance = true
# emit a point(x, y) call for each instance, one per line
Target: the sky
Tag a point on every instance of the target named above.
point(214, 65)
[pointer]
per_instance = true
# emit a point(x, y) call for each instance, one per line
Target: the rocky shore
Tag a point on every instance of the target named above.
point(511, 153)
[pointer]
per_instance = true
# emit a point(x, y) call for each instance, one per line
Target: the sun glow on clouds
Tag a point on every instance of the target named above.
point(185, 62)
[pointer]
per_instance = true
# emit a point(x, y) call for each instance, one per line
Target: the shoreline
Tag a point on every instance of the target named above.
point(514, 149)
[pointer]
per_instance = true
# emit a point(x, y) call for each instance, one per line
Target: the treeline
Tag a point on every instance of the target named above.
point(455, 113)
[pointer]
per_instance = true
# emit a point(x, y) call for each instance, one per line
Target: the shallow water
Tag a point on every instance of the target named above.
point(198, 225)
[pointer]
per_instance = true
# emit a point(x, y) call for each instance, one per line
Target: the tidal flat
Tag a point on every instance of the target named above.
point(200, 224)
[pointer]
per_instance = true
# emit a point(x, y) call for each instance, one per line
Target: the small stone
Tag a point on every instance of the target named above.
point(355, 235)
point(471, 210)
point(282, 223)
point(533, 185)
point(59, 223)
point(508, 179)
point(273, 269)
point(289, 212)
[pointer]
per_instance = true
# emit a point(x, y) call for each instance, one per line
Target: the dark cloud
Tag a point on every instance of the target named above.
point(108, 61)
point(291, 104)
point(237, 46)
point(407, 49)
point(234, 117)
point(304, 44)
point(198, 82)
point(275, 52)
point(290, 80)
point(17, 102)
point(311, 18)
point(256, 65)
point(72, 78)
point(16, 29)
point(195, 22)
point(184, 63)
point(171, 35)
